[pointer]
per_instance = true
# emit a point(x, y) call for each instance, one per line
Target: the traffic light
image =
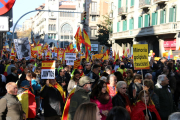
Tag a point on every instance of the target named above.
point(84, 15)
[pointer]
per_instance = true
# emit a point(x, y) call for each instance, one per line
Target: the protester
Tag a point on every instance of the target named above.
point(53, 100)
point(129, 76)
point(13, 77)
point(2, 67)
point(73, 83)
point(121, 98)
point(174, 116)
point(108, 69)
point(148, 76)
point(88, 69)
point(149, 86)
point(111, 87)
point(10, 103)
point(139, 111)
point(163, 91)
point(119, 76)
point(101, 97)
point(118, 113)
point(87, 111)
point(10, 66)
point(61, 79)
point(80, 96)
point(94, 74)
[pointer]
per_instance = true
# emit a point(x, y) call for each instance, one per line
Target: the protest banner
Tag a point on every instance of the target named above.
point(22, 47)
point(140, 56)
point(70, 58)
point(48, 70)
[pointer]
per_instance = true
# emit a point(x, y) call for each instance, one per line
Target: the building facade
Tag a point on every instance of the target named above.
point(57, 27)
point(95, 10)
point(152, 22)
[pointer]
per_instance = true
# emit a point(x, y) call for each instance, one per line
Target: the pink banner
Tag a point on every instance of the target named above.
point(170, 44)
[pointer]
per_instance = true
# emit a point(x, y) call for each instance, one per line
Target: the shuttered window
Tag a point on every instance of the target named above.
point(172, 14)
point(154, 18)
point(131, 24)
point(118, 26)
point(162, 16)
point(146, 22)
point(140, 22)
point(124, 25)
point(119, 3)
point(132, 2)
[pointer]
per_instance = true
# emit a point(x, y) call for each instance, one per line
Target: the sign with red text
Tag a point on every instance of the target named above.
point(48, 70)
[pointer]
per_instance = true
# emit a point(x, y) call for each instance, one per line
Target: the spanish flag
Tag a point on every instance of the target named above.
point(66, 107)
point(87, 40)
point(59, 88)
point(28, 102)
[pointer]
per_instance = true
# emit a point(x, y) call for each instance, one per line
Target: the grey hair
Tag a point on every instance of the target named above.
point(161, 78)
point(108, 67)
point(120, 84)
point(103, 78)
point(147, 75)
point(174, 116)
point(8, 85)
point(111, 75)
point(29, 65)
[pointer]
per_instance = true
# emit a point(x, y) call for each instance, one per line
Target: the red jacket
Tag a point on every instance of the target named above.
point(101, 106)
point(138, 114)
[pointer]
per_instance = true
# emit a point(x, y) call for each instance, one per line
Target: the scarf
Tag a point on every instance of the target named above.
point(104, 98)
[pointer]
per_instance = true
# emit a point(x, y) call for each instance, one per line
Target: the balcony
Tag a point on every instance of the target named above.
point(144, 4)
point(160, 1)
point(122, 11)
point(94, 13)
point(167, 28)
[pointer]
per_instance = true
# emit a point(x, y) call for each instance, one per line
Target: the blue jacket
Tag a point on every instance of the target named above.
point(36, 87)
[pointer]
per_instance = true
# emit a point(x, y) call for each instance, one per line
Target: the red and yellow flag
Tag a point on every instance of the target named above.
point(76, 63)
point(87, 41)
point(79, 39)
point(12, 57)
point(28, 102)
point(71, 47)
point(67, 105)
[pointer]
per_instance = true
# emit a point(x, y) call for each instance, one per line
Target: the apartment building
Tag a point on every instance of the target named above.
point(57, 27)
point(95, 10)
point(152, 22)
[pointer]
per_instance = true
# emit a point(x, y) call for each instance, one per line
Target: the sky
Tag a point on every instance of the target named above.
point(23, 6)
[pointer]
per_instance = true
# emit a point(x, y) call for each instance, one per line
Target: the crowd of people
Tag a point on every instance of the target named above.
point(96, 90)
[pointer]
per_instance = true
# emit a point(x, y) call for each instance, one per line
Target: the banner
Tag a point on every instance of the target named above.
point(70, 56)
point(22, 48)
point(69, 62)
point(48, 70)
point(140, 56)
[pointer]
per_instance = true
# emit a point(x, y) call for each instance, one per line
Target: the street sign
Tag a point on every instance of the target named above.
point(6, 5)
point(4, 24)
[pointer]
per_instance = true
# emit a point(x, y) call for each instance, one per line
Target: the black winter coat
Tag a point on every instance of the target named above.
point(53, 101)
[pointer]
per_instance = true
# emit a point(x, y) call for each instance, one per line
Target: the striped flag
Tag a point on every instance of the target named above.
point(76, 63)
point(28, 102)
point(66, 107)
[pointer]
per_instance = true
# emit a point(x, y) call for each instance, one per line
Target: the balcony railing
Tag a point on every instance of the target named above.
point(152, 30)
point(122, 11)
point(144, 3)
point(160, 1)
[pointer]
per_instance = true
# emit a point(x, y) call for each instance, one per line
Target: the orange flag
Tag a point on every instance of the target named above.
point(76, 63)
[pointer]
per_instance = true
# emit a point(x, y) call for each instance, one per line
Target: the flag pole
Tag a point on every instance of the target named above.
point(144, 92)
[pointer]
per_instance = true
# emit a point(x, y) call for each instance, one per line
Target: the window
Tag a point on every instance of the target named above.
point(118, 26)
point(49, 36)
point(124, 25)
point(93, 18)
point(119, 3)
point(94, 7)
point(66, 28)
point(92, 33)
point(54, 36)
point(132, 2)
point(162, 16)
point(154, 18)
point(112, 4)
point(61, 37)
point(131, 24)
point(54, 28)
point(140, 22)
point(146, 22)
point(172, 14)
point(49, 28)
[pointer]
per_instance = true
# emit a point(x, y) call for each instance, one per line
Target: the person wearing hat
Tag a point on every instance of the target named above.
point(80, 96)
point(80, 69)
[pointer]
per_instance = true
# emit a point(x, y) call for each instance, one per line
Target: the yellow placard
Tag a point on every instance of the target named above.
point(93, 57)
point(48, 64)
point(98, 56)
point(156, 58)
point(176, 57)
point(82, 57)
point(140, 56)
